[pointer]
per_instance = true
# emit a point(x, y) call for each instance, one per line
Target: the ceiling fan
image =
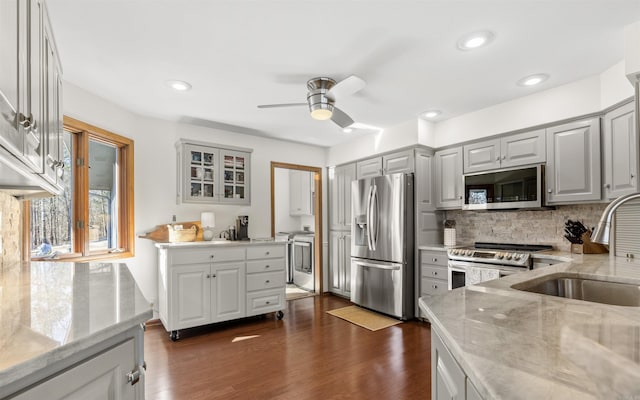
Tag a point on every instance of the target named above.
point(322, 96)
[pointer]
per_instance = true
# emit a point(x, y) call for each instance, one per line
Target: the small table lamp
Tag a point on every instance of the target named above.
point(208, 222)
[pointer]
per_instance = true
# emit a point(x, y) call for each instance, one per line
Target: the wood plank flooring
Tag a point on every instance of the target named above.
point(308, 355)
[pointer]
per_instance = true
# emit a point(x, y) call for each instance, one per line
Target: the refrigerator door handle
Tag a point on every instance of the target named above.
point(369, 201)
point(375, 218)
point(392, 266)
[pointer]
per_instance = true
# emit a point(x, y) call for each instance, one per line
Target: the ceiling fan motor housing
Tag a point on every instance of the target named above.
point(320, 105)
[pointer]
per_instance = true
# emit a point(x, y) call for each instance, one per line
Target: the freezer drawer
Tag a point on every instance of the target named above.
point(383, 287)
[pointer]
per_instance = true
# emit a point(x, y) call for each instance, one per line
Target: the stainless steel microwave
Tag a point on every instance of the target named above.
point(520, 187)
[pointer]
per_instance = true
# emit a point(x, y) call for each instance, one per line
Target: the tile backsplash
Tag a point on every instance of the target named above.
point(10, 228)
point(530, 227)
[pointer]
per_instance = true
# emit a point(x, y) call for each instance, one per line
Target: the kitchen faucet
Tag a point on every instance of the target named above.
point(602, 231)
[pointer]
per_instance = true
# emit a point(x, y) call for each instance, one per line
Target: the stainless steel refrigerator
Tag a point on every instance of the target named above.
point(382, 244)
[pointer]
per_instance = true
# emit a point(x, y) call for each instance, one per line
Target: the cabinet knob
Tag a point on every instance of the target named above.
point(267, 281)
point(498, 158)
point(435, 273)
point(460, 197)
point(25, 121)
point(266, 266)
point(213, 275)
point(212, 256)
point(434, 259)
point(267, 302)
point(549, 191)
point(607, 186)
point(632, 176)
point(504, 157)
point(133, 377)
point(208, 276)
point(266, 253)
point(435, 286)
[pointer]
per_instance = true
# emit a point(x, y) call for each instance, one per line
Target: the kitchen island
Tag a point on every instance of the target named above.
point(504, 343)
point(71, 329)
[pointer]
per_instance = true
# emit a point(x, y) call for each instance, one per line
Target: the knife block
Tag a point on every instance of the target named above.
point(587, 246)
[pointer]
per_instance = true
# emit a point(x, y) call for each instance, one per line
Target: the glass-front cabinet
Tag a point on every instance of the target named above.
point(210, 173)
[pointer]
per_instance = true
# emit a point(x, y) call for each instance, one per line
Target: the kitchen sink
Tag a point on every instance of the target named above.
point(574, 287)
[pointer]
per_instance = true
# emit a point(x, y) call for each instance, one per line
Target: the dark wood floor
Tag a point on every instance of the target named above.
point(308, 355)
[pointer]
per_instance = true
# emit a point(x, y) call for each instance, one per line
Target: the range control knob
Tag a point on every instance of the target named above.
point(508, 256)
point(468, 253)
point(500, 255)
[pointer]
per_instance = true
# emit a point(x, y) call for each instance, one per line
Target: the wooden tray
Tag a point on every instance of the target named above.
point(161, 232)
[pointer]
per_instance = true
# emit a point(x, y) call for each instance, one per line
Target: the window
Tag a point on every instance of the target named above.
point(93, 217)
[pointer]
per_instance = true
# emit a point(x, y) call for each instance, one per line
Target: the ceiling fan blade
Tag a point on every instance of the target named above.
point(346, 87)
point(340, 118)
point(281, 105)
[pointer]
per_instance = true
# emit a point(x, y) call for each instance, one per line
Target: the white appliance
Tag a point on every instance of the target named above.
point(300, 259)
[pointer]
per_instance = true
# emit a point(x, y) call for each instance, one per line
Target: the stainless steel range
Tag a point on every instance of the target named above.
point(486, 261)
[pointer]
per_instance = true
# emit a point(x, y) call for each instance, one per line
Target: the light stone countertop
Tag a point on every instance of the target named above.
point(519, 345)
point(221, 243)
point(52, 310)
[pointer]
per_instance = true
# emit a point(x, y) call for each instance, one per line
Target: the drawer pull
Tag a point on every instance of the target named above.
point(435, 273)
point(267, 302)
point(266, 266)
point(267, 281)
point(266, 253)
point(212, 256)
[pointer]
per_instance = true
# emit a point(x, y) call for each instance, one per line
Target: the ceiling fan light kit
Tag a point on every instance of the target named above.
point(320, 105)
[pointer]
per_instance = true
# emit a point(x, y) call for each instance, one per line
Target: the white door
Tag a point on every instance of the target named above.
point(191, 296)
point(228, 291)
point(101, 378)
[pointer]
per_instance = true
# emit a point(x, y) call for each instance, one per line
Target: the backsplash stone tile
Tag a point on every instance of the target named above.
point(531, 227)
point(10, 235)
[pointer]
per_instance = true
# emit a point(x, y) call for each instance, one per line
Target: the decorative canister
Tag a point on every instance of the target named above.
point(449, 237)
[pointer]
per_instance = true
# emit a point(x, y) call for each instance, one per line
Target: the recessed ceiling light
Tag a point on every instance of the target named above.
point(431, 113)
point(532, 80)
point(179, 85)
point(474, 40)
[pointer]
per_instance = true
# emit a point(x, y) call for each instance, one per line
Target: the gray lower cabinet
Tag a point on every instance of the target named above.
point(433, 274)
point(448, 178)
point(340, 263)
point(573, 162)
point(208, 284)
point(620, 152)
point(448, 379)
point(114, 373)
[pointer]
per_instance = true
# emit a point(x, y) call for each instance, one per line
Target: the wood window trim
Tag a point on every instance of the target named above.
point(126, 226)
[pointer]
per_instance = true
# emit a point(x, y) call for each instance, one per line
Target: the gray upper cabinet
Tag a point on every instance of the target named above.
point(369, 168)
point(428, 226)
point(340, 179)
point(620, 152)
point(506, 152)
point(210, 174)
point(448, 178)
point(400, 162)
point(573, 162)
point(30, 97)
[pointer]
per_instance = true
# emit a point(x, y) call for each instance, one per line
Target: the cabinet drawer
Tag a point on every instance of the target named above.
point(434, 257)
point(432, 286)
point(265, 280)
point(434, 272)
point(255, 252)
point(265, 265)
point(198, 256)
point(265, 301)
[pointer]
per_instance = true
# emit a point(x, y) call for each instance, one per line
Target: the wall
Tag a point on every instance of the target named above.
point(530, 227)
point(155, 173)
point(614, 86)
point(10, 235)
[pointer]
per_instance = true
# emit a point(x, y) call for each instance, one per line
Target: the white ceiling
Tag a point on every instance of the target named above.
point(241, 53)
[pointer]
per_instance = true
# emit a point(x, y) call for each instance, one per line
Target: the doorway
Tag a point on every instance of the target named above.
point(298, 212)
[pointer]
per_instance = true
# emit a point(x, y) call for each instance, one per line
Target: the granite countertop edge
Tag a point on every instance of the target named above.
point(221, 244)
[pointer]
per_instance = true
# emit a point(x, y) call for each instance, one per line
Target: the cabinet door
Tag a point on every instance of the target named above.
point(573, 162)
point(51, 134)
point(482, 156)
point(335, 260)
point(235, 177)
point(228, 291)
point(620, 151)
point(300, 193)
point(449, 178)
point(522, 149)
point(401, 162)
point(11, 65)
point(101, 377)
point(190, 296)
point(345, 267)
point(447, 378)
point(369, 168)
point(200, 174)
point(340, 179)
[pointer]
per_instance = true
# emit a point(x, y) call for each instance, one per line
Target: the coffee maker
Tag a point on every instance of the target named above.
point(242, 227)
